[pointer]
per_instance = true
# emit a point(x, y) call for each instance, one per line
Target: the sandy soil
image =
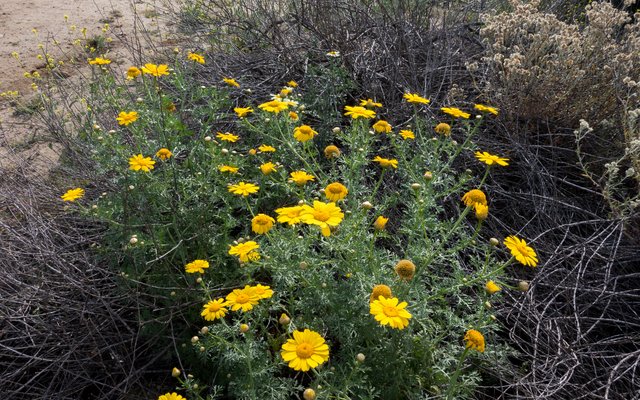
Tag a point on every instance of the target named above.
point(29, 28)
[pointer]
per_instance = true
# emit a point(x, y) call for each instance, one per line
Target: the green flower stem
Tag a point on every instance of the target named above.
point(454, 379)
point(246, 201)
point(375, 189)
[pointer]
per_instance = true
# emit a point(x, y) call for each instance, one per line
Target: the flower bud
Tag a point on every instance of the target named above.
point(195, 339)
point(487, 305)
point(244, 328)
point(131, 187)
point(309, 394)
point(494, 242)
point(224, 151)
point(428, 175)
point(139, 100)
point(284, 319)
point(175, 372)
point(360, 358)
point(207, 138)
point(523, 286)
point(415, 186)
point(204, 330)
point(202, 349)
point(199, 280)
point(133, 240)
point(336, 130)
point(367, 205)
point(303, 265)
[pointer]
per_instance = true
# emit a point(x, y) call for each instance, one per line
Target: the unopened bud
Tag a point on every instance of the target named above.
point(336, 129)
point(202, 349)
point(204, 330)
point(133, 240)
point(360, 357)
point(199, 280)
point(284, 319)
point(428, 175)
point(309, 394)
point(367, 205)
point(244, 328)
point(303, 265)
point(195, 339)
point(175, 372)
point(224, 151)
point(207, 138)
point(415, 186)
point(494, 242)
point(523, 286)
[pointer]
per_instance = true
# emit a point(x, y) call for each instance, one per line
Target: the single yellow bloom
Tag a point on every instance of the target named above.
point(266, 148)
point(473, 197)
point(285, 91)
point(195, 57)
point(331, 151)
point(227, 137)
point(133, 72)
point(443, 129)
point(156, 70)
point(335, 191)
point(387, 311)
point(274, 106)
point(482, 211)
point(171, 396)
point(407, 134)
point(380, 290)
point(262, 223)
point(228, 168)
point(370, 103)
point(415, 98)
point(455, 112)
point(484, 108)
point(356, 112)
point(305, 351)
point(267, 168)
point(73, 194)
point(380, 223)
point(386, 162)
point(491, 159)
point(243, 189)
point(242, 299)
point(196, 266)
point(126, 118)
point(290, 215)
point(243, 111)
point(214, 309)
point(263, 292)
point(231, 82)
point(300, 178)
point(100, 61)
point(324, 215)
point(292, 84)
point(252, 152)
point(491, 287)
point(164, 154)
point(293, 115)
point(474, 340)
point(304, 133)
point(382, 127)
point(333, 54)
point(523, 253)
point(140, 163)
point(244, 250)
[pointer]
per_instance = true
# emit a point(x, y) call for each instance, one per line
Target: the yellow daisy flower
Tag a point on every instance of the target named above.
point(227, 137)
point(214, 309)
point(73, 194)
point(387, 311)
point(100, 61)
point(491, 159)
point(455, 112)
point(407, 134)
point(324, 215)
point(267, 168)
point(473, 197)
point(242, 111)
point(523, 253)
point(305, 351)
point(332, 151)
point(484, 108)
point(415, 98)
point(228, 168)
point(126, 118)
point(356, 112)
point(482, 211)
point(140, 163)
point(196, 266)
point(380, 223)
point(293, 115)
point(491, 287)
point(195, 57)
point(171, 396)
point(156, 70)
point(474, 340)
point(370, 103)
point(231, 82)
point(289, 215)
point(382, 127)
point(263, 292)
point(164, 154)
point(133, 72)
point(304, 133)
point(243, 189)
point(262, 223)
point(443, 129)
point(335, 191)
point(244, 250)
point(266, 148)
point(386, 162)
point(242, 299)
point(274, 106)
point(300, 177)
point(292, 84)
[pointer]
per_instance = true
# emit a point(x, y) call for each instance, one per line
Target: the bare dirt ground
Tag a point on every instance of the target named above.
point(29, 28)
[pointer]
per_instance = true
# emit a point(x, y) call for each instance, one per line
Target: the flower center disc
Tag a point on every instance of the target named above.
point(304, 350)
point(242, 298)
point(321, 215)
point(390, 311)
